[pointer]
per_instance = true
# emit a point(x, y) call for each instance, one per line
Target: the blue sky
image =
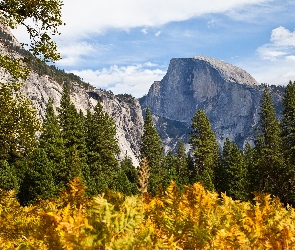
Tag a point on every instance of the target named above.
point(124, 46)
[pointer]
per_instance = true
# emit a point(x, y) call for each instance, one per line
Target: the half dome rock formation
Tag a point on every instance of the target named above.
point(229, 95)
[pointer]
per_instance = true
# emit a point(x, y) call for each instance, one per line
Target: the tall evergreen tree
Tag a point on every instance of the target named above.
point(18, 123)
point(192, 171)
point(252, 168)
point(73, 135)
point(8, 176)
point(205, 149)
point(181, 163)
point(269, 148)
point(233, 172)
point(288, 122)
point(38, 180)
point(102, 148)
point(52, 143)
point(288, 134)
point(131, 172)
point(169, 170)
point(176, 166)
point(152, 149)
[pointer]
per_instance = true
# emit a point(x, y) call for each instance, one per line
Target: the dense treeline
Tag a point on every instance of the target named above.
point(70, 145)
point(267, 166)
point(75, 145)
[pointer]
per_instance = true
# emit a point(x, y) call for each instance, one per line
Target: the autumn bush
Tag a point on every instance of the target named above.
point(191, 218)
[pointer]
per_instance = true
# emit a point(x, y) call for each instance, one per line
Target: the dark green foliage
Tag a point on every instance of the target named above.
point(176, 166)
point(288, 135)
point(18, 123)
point(169, 171)
point(181, 163)
point(8, 177)
point(102, 149)
point(101, 139)
point(233, 172)
point(204, 148)
point(252, 168)
point(52, 143)
point(73, 135)
point(268, 144)
point(131, 173)
point(192, 171)
point(288, 122)
point(38, 180)
point(152, 149)
point(121, 183)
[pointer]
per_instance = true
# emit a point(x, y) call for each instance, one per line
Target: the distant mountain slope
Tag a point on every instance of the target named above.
point(229, 95)
point(46, 82)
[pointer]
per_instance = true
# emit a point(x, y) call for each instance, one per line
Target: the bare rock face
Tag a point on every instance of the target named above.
point(125, 110)
point(229, 96)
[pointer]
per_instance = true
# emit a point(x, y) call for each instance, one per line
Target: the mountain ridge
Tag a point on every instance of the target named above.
point(46, 82)
point(230, 97)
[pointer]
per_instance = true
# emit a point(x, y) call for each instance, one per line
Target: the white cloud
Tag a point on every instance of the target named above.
point(144, 31)
point(97, 16)
point(275, 61)
point(283, 37)
point(211, 23)
point(273, 72)
point(73, 52)
point(282, 43)
point(134, 79)
point(158, 33)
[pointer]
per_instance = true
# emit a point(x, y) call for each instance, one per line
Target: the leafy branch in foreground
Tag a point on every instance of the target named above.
point(41, 18)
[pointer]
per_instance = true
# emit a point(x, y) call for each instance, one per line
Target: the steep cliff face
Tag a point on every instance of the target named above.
point(124, 109)
point(126, 112)
point(229, 96)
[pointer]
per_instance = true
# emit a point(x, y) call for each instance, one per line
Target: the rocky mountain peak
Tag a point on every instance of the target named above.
point(228, 71)
point(228, 94)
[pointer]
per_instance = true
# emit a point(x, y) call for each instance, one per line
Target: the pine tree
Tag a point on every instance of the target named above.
point(288, 135)
point(269, 148)
point(234, 171)
point(192, 171)
point(250, 156)
point(18, 123)
point(181, 163)
point(52, 143)
point(288, 122)
point(38, 180)
point(205, 149)
point(169, 170)
point(152, 149)
point(131, 173)
point(121, 184)
point(102, 148)
point(176, 166)
point(8, 177)
point(73, 135)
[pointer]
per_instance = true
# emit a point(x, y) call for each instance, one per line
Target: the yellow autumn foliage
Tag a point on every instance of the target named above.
point(192, 218)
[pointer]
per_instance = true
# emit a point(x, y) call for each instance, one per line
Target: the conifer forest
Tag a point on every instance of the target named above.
point(63, 187)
